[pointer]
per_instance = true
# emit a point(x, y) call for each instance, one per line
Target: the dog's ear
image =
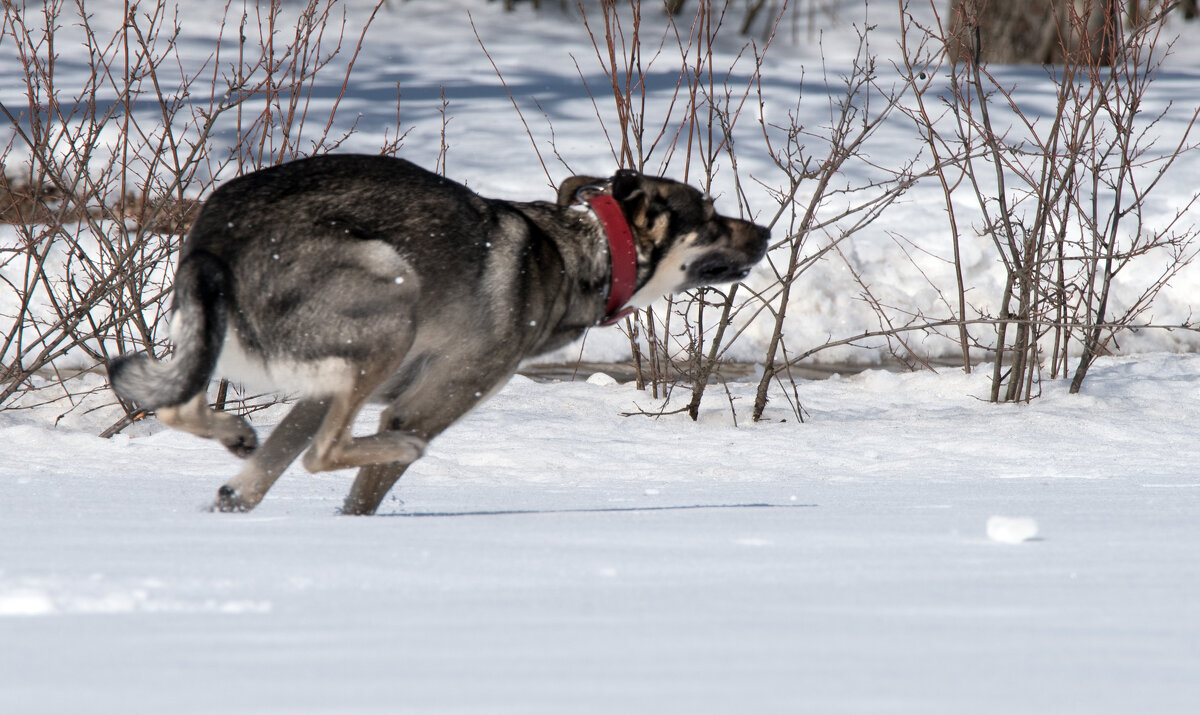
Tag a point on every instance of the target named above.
point(627, 185)
point(568, 189)
point(630, 189)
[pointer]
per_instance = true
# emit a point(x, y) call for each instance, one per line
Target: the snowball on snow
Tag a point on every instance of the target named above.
point(1011, 530)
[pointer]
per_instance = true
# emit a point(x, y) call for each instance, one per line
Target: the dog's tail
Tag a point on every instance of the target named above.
point(198, 331)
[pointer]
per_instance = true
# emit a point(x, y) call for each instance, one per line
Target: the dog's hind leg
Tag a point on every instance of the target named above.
point(374, 481)
point(422, 414)
point(288, 439)
point(371, 485)
point(196, 417)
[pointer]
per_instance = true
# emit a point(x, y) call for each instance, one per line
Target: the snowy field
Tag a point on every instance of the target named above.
point(550, 555)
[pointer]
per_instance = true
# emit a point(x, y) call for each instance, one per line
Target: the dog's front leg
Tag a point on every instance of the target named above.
point(289, 438)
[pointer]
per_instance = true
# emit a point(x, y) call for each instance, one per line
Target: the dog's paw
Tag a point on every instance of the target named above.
point(242, 444)
point(229, 501)
point(355, 507)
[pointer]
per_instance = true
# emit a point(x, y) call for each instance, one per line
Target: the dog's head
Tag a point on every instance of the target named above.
point(682, 242)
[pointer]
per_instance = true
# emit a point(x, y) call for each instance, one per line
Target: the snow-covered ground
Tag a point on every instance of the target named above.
point(429, 51)
point(550, 555)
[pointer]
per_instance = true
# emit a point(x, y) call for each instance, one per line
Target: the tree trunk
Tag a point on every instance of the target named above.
point(1035, 31)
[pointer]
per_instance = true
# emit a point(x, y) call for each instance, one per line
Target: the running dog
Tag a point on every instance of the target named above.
point(344, 279)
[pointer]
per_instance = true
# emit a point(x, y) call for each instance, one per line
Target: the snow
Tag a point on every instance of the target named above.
point(559, 552)
point(1011, 529)
point(549, 555)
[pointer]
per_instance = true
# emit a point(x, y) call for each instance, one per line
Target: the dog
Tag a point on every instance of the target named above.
point(343, 279)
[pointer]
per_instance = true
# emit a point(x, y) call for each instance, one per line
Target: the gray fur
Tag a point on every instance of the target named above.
point(343, 279)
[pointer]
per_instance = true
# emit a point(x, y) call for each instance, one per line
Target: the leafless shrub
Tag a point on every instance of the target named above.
point(834, 211)
point(1065, 198)
point(688, 341)
point(102, 180)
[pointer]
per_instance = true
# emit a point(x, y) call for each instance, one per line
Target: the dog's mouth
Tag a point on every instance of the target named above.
point(716, 269)
point(728, 261)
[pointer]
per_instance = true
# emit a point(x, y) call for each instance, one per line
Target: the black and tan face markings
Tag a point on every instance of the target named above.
point(674, 209)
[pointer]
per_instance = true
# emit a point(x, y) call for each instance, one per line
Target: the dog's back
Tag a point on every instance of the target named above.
point(293, 275)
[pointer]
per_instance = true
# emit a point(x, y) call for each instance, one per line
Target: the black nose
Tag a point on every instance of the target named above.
point(764, 238)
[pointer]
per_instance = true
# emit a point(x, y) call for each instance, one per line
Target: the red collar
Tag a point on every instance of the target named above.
point(623, 254)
